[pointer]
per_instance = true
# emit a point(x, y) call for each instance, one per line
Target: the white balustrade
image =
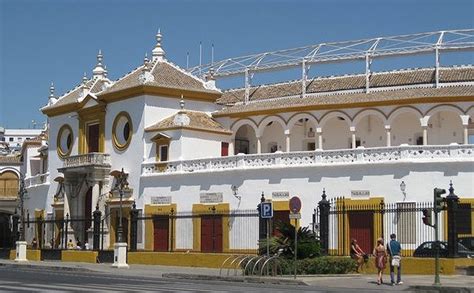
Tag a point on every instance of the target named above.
point(404, 153)
point(36, 180)
point(90, 159)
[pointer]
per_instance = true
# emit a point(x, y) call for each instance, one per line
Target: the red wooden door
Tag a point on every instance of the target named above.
point(224, 149)
point(211, 233)
point(361, 228)
point(93, 138)
point(161, 233)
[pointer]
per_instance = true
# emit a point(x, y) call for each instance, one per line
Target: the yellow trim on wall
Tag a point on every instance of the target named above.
point(357, 205)
point(114, 214)
point(90, 116)
point(116, 143)
point(64, 153)
point(445, 218)
point(151, 210)
point(206, 209)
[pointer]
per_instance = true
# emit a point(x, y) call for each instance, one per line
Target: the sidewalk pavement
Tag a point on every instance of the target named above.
point(419, 283)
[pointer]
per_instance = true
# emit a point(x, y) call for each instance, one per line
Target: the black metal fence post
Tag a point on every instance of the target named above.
point(452, 203)
point(324, 223)
point(262, 223)
point(133, 227)
point(66, 224)
point(97, 214)
point(15, 235)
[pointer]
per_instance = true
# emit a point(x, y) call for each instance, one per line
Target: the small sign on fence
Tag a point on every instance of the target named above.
point(360, 193)
point(210, 197)
point(160, 200)
point(280, 195)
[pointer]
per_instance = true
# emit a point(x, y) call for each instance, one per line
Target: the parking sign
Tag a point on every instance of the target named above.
point(266, 210)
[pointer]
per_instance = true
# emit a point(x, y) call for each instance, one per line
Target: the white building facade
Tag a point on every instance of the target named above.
point(188, 146)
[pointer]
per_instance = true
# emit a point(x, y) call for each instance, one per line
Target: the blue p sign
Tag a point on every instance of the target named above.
point(266, 210)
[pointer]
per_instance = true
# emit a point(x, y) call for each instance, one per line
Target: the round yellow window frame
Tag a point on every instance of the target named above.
point(120, 143)
point(64, 152)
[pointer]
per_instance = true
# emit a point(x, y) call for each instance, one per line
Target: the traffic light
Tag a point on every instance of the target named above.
point(427, 217)
point(438, 200)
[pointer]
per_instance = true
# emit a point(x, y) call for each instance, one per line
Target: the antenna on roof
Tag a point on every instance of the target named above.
point(212, 54)
point(187, 60)
point(200, 57)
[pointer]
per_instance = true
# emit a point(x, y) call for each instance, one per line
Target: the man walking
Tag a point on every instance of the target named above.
point(394, 249)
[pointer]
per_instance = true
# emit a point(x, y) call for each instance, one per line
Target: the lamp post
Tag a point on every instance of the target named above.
point(120, 185)
point(403, 187)
point(120, 247)
point(21, 243)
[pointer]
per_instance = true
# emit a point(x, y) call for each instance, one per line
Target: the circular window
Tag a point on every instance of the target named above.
point(122, 131)
point(64, 141)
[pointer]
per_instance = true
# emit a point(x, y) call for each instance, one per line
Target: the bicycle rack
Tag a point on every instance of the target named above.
point(249, 263)
point(239, 265)
point(256, 263)
point(234, 262)
point(224, 262)
point(268, 261)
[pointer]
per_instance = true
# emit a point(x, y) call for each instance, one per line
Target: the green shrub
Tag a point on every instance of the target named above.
point(320, 265)
point(308, 244)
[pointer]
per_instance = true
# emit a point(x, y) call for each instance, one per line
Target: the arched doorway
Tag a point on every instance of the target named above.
point(245, 141)
point(370, 131)
point(406, 129)
point(445, 127)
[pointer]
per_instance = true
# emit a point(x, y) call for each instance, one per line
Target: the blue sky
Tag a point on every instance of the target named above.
point(57, 40)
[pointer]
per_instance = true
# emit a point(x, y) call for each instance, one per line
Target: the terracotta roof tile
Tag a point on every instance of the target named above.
point(165, 74)
point(197, 121)
point(351, 98)
point(353, 82)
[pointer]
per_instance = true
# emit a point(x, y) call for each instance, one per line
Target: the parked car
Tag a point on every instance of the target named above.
point(467, 241)
point(427, 249)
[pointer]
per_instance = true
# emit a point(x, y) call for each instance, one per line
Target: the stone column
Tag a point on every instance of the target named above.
point(319, 134)
point(424, 126)
point(259, 145)
point(287, 140)
point(388, 135)
point(353, 136)
point(465, 124)
point(425, 135)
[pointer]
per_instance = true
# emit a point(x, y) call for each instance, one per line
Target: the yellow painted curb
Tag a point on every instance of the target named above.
point(422, 266)
point(206, 260)
point(79, 256)
point(33, 255)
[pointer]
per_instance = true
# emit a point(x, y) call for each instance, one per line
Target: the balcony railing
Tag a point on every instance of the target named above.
point(36, 180)
point(404, 153)
point(91, 159)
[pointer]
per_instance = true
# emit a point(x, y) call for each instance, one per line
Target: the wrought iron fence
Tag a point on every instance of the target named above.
point(368, 222)
point(210, 231)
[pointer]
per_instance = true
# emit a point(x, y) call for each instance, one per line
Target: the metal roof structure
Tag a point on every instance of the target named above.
point(365, 49)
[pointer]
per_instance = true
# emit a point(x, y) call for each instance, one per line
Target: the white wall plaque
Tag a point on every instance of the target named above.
point(210, 197)
point(360, 193)
point(280, 195)
point(161, 200)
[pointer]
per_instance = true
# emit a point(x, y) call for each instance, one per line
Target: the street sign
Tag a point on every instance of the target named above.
point(266, 210)
point(295, 204)
point(295, 216)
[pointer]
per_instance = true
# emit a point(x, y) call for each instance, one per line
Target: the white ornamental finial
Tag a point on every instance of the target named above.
point(145, 62)
point(99, 70)
point(181, 103)
point(84, 80)
point(158, 52)
point(51, 100)
point(51, 90)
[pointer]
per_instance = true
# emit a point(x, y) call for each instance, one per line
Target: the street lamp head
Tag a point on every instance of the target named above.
point(403, 186)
